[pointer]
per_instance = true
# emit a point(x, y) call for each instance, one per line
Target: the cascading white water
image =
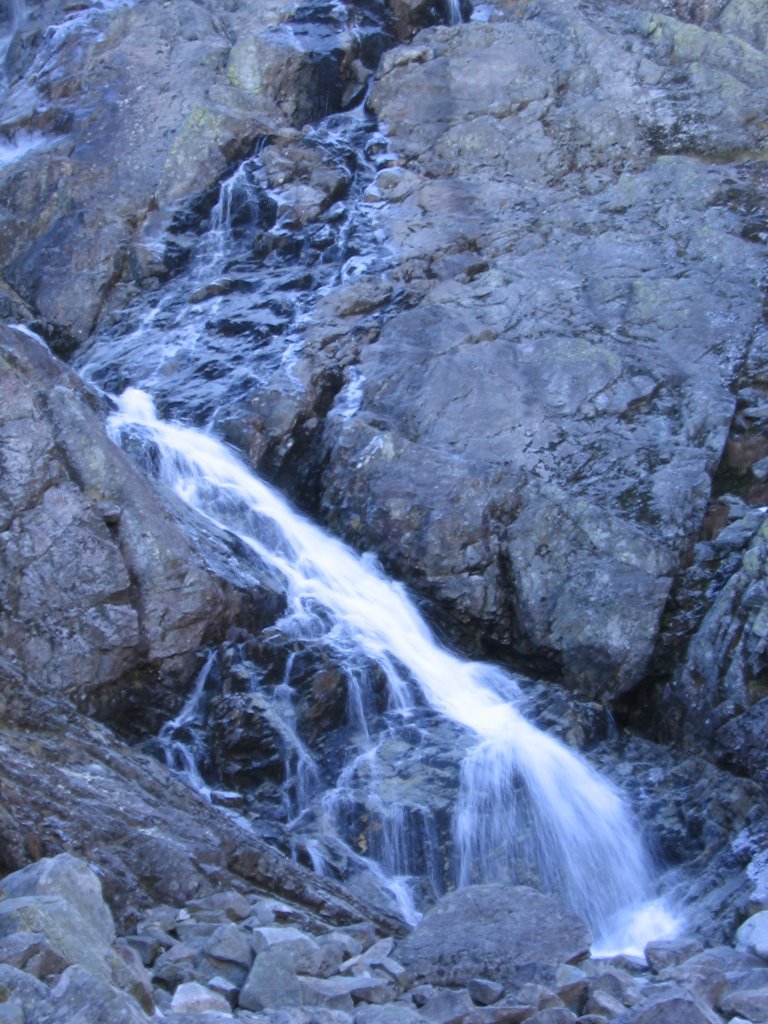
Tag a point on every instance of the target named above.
point(525, 798)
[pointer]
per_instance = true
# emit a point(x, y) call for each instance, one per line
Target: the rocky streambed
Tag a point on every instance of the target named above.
point(485, 955)
point(503, 326)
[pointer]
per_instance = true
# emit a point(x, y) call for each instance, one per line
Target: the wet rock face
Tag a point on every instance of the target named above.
point(166, 843)
point(101, 131)
point(127, 600)
point(103, 160)
point(534, 438)
point(718, 693)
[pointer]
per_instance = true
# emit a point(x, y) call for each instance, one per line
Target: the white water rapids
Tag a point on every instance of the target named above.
point(516, 780)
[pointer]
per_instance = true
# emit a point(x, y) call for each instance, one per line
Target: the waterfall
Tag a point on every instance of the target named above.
point(520, 806)
point(234, 312)
point(526, 803)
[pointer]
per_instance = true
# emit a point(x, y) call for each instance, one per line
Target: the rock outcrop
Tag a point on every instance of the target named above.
point(113, 137)
point(107, 605)
point(511, 934)
point(576, 288)
point(718, 692)
point(513, 377)
point(106, 599)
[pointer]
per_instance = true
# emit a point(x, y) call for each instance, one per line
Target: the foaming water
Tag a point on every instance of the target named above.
point(633, 928)
point(528, 806)
point(236, 310)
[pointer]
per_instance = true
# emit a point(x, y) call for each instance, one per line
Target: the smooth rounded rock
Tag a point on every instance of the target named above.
point(508, 934)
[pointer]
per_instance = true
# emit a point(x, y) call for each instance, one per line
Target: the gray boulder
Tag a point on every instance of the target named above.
point(272, 981)
point(448, 1007)
point(508, 934)
point(71, 879)
point(192, 997)
point(670, 952)
point(66, 931)
point(672, 1008)
point(750, 1004)
point(33, 953)
point(307, 955)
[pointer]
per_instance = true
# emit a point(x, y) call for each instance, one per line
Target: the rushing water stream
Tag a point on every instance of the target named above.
point(524, 806)
point(516, 782)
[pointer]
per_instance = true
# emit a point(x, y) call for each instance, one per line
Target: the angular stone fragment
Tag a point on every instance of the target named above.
point(333, 993)
point(668, 952)
point(619, 984)
point(448, 1007)
point(65, 931)
point(394, 1013)
point(130, 975)
point(32, 995)
point(333, 956)
point(378, 951)
point(375, 988)
point(225, 988)
point(553, 1015)
point(571, 986)
point(537, 995)
point(512, 1013)
point(229, 943)
point(603, 1004)
point(394, 970)
point(272, 981)
point(233, 904)
point(484, 992)
point(158, 921)
point(673, 1009)
point(347, 944)
point(71, 878)
point(749, 1003)
point(147, 947)
point(89, 999)
point(196, 933)
point(307, 955)
point(175, 965)
point(31, 952)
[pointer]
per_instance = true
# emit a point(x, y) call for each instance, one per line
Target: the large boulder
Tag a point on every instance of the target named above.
point(574, 292)
point(129, 600)
point(71, 879)
point(509, 934)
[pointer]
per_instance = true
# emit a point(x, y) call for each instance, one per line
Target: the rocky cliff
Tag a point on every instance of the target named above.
point(509, 335)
